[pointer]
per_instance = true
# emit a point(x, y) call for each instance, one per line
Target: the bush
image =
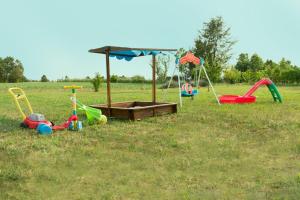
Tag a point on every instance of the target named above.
point(137, 79)
point(44, 79)
point(232, 76)
point(114, 79)
point(203, 83)
point(97, 82)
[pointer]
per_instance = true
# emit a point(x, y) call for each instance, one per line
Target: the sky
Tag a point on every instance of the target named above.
point(52, 37)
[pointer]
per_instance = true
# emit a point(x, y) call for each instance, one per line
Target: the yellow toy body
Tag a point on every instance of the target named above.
point(19, 94)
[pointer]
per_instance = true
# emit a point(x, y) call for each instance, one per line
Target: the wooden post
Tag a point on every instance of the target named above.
point(108, 81)
point(153, 79)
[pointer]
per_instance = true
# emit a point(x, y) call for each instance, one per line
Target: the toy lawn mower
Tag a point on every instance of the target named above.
point(38, 121)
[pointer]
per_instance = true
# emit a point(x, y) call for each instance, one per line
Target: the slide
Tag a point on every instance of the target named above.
point(248, 98)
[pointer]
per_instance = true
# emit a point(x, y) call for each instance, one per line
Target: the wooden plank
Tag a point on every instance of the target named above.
point(153, 79)
point(137, 113)
point(141, 114)
point(108, 81)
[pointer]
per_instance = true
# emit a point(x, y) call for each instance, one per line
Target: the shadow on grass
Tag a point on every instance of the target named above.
point(8, 124)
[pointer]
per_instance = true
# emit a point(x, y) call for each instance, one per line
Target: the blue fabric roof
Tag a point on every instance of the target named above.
point(128, 55)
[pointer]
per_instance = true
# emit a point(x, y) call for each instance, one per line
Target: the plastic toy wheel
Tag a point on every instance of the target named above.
point(44, 129)
point(23, 125)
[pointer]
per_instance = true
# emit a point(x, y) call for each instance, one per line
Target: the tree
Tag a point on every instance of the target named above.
point(67, 79)
point(243, 63)
point(285, 68)
point(256, 63)
point(2, 72)
point(272, 70)
point(162, 66)
point(44, 79)
point(11, 70)
point(15, 75)
point(285, 64)
point(214, 44)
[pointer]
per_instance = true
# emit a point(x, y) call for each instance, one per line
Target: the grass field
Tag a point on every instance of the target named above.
point(205, 151)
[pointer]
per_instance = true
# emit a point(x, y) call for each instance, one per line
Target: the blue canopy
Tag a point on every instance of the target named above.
point(128, 55)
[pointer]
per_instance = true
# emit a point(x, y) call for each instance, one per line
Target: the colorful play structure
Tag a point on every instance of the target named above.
point(186, 89)
point(248, 98)
point(44, 127)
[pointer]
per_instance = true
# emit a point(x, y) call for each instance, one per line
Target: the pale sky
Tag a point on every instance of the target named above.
point(53, 37)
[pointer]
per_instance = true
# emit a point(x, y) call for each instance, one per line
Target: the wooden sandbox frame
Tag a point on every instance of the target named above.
point(136, 110)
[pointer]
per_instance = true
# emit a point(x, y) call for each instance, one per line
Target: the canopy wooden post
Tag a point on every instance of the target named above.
point(108, 80)
point(153, 79)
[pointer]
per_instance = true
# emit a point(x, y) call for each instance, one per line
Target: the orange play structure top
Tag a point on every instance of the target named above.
point(189, 58)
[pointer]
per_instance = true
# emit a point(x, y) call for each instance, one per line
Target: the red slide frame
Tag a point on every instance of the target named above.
point(247, 98)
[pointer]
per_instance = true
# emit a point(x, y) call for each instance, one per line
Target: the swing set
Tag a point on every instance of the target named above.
point(186, 89)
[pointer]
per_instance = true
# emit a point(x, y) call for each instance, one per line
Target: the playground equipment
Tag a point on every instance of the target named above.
point(133, 110)
point(184, 90)
point(38, 121)
point(188, 91)
point(248, 98)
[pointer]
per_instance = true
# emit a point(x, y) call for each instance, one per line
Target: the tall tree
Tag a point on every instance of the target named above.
point(214, 44)
point(243, 63)
point(256, 63)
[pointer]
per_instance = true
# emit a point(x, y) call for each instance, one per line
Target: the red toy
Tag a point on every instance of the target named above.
point(248, 98)
point(29, 123)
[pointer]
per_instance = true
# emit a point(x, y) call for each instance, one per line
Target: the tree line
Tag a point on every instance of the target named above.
point(251, 69)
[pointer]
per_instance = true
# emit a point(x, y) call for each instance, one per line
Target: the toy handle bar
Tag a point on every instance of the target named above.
point(18, 94)
point(72, 87)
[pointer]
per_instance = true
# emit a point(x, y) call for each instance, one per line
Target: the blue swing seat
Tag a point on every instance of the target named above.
point(186, 94)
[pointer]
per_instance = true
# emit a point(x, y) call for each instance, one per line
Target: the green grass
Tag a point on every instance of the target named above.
point(206, 151)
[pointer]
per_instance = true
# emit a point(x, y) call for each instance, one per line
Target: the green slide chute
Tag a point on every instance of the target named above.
point(275, 93)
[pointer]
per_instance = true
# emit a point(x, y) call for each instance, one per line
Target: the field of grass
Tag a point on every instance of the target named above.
point(205, 151)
